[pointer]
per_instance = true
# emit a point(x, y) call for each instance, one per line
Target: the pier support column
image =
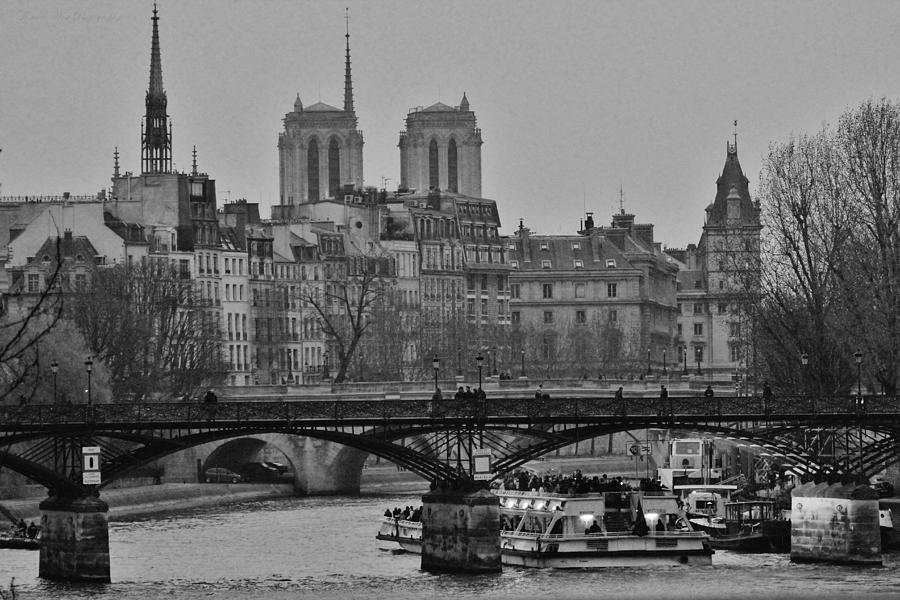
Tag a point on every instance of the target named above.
point(75, 539)
point(461, 531)
point(835, 524)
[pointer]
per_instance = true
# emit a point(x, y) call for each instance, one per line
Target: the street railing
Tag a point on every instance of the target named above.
point(528, 408)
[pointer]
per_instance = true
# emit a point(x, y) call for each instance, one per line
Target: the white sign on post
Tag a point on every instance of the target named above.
point(90, 473)
point(482, 460)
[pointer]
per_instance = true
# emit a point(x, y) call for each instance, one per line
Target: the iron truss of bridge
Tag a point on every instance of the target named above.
point(436, 439)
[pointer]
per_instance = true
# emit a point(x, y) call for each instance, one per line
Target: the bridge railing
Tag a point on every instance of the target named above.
point(527, 407)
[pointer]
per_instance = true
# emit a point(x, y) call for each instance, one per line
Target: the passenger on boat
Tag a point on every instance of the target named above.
point(21, 528)
point(460, 393)
point(32, 530)
point(387, 513)
point(660, 526)
point(594, 528)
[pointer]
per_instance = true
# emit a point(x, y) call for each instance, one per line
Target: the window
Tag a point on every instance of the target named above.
point(723, 308)
point(611, 290)
point(433, 177)
point(698, 284)
point(548, 316)
point(484, 307)
point(579, 290)
point(34, 282)
point(545, 246)
point(579, 264)
point(680, 329)
point(514, 317)
point(734, 329)
point(515, 290)
point(613, 316)
point(580, 317)
point(698, 308)
point(576, 245)
point(511, 246)
point(484, 286)
point(312, 171)
point(452, 168)
point(80, 281)
point(545, 264)
point(698, 328)
point(547, 290)
point(735, 352)
point(610, 263)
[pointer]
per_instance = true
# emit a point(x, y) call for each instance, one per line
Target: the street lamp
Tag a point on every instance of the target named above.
point(458, 361)
point(523, 362)
point(54, 368)
point(325, 366)
point(697, 356)
point(436, 365)
point(665, 372)
point(684, 356)
point(649, 371)
point(479, 362)
point(89, 366)
point(859, 407)
point(804, 360)
point(858, 356)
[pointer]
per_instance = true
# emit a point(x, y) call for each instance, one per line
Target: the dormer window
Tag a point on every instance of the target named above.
point(79, 258)
point(610, 263)
point(46, 258)
point(579, 264)
point(514, 263)
point(545, 264)
point(576, 245)
point(545, 246)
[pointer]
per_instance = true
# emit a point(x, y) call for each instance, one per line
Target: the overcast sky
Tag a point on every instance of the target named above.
point(574, 98)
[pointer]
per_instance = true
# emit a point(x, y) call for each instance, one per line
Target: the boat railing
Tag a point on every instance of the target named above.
point(611, 534)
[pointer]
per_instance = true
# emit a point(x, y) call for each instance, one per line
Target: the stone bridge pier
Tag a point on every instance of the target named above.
point(74, 539)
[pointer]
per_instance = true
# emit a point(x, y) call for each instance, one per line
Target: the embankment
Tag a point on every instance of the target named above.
point(127, 503)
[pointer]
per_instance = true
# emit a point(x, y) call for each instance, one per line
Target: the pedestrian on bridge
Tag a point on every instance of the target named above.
point(709, 392)
point(620, 394)
point(663, 392)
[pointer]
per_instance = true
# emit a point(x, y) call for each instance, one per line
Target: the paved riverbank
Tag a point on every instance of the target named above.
point(128, 503)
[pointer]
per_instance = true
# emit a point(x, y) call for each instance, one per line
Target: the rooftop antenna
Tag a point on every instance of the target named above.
point(116, 162)
point(621, 199)
point(735, 135)
point(194, 170)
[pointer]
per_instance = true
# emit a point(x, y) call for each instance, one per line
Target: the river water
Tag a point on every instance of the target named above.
point(326, 548)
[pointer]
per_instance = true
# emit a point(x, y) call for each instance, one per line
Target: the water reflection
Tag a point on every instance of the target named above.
point(326, 548)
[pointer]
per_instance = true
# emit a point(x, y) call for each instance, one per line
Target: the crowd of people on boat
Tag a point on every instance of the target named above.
point(576, 483)
point(408, 513)
point(469, 394)
point(27, 530)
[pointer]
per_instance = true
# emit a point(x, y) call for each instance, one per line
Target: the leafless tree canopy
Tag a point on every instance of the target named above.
point(830, 262)
point(154, 336)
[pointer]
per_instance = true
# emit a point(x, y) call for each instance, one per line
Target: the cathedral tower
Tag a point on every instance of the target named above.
point(320, 149)
point(441, 150)
point(156, 146)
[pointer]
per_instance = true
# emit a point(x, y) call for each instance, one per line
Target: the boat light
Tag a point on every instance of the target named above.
point(587, 518)
point(539, 504)
point(510, 502)
point(652, 516)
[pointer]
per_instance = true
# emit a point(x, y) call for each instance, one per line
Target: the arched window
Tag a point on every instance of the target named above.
point(312, 170)
point(334, 168)
point(433, 172)
point(452, 171)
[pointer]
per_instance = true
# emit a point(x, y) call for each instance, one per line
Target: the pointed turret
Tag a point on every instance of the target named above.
point(348, 82)
point(298, 104)
point(464, 103)
point(733, 203)
point(156, 151)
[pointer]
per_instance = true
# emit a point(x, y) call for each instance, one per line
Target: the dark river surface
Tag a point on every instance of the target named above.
point(326, 548)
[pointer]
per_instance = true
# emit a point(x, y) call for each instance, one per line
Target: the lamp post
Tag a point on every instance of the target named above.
point(479, 362)
point(859, 408)
point(89, 366)
point(684, 356)
point(436, 365)
point(54, 368)
point(697, 356)
point(325, 373)
point(523, 362)
point(494, 372)
point(665, 371)
point(804, 360)
point(649, 371)
point(458, 361)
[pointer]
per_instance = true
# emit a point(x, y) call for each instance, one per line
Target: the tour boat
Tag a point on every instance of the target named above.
point(604, 529)
point(749, 526)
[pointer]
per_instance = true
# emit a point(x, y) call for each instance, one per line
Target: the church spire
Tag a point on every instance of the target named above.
point(156, 150)
point(348, 82)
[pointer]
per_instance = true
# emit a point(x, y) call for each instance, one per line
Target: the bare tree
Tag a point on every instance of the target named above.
point(828, 278)
point(148, 328)
point(25, 320)
point(344, 307)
